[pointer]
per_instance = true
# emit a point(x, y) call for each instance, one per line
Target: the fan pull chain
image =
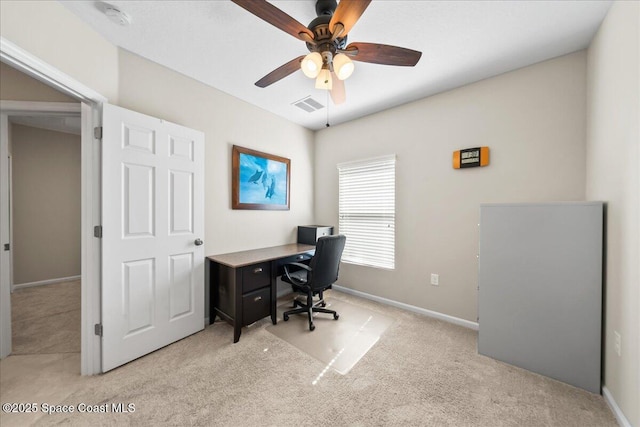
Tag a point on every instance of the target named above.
point(328, 110)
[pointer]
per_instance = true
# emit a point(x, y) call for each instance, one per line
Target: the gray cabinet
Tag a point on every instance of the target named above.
point(540, 288)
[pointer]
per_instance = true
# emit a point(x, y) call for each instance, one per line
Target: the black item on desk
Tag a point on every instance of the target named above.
point(309, 234)
point(317, 277)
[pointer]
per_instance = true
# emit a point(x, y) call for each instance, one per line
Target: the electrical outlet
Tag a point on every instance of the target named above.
point(617, 342)
point(435, 278)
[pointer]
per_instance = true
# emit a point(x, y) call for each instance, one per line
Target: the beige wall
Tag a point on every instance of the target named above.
point(46, 204)
point(17, 86)
point(155, 90)
point(613, 175)
point(533, 120)
point(52, 33)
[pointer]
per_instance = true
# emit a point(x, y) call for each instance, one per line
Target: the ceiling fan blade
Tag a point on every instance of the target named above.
point(383, 54)
point(280, 72)
point(347, 13)
point(338, 94)
point(276, 17)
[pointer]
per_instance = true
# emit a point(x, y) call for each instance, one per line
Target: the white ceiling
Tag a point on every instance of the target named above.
point(224, 46)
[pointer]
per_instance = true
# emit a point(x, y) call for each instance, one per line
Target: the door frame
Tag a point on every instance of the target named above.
point(91, 194)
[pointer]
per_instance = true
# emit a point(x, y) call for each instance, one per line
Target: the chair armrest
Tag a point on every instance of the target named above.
point(297, 264)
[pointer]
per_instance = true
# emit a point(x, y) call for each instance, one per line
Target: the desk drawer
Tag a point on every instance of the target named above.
point(256, 276)
point(256, 305)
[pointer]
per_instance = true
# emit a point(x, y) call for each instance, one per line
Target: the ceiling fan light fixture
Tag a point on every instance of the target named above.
point(323, 81)
point(311, 65)
point(343, 66)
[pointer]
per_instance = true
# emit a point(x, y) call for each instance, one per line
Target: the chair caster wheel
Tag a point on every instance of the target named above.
point(285, 317)
point(312, 327)
point(336, 316)
point(324, 304)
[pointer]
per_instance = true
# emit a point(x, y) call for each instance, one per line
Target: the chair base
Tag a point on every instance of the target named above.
point(310, 308)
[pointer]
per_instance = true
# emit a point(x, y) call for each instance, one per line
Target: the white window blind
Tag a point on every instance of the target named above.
point(367, 193)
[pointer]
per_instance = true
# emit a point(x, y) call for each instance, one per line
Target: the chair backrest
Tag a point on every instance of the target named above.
point(326, 261)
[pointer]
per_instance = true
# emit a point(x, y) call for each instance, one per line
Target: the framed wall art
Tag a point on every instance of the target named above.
point(259, 180)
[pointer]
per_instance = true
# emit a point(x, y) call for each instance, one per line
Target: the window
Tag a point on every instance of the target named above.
point(367, 193)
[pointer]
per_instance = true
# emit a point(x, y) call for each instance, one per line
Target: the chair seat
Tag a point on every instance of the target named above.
point(300, 276)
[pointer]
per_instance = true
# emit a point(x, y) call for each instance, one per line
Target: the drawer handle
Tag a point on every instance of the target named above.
point(257, 270)
point(256, 299)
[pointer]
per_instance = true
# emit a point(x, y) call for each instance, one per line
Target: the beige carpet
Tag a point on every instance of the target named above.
point(341, 343)
point(422, 372)
point(46, 319)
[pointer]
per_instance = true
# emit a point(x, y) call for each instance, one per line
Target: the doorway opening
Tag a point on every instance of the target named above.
point(45, 172)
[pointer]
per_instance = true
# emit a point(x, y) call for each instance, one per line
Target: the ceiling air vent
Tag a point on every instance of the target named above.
point(308, 104)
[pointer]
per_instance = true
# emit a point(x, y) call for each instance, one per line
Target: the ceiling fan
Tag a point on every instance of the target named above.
point(330, 60)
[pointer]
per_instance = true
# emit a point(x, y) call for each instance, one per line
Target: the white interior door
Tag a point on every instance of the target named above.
point(152, 218)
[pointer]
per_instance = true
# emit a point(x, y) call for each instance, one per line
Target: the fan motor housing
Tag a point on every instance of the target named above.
point(322, 35)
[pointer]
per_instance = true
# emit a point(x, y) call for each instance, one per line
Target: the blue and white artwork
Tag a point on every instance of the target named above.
point(262, 181)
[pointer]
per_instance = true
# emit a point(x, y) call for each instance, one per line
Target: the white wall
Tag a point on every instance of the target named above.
point(613, 175)
point(533, 120)
point(46, 204)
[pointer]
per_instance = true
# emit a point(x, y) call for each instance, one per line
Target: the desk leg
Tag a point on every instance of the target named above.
point(238, 317)
point(209, 288)
point(274, 292)
point(237, 329)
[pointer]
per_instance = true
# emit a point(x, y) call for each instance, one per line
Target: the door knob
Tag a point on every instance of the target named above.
point(198, 242)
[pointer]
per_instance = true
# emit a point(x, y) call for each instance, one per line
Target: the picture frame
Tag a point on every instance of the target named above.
point(259, 181)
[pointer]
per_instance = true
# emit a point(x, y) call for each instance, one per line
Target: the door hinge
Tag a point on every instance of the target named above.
point(97, 231)
point(98, 329)
point(97, 132)
point(7, 247)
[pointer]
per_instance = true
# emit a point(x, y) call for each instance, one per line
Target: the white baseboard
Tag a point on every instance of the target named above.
point(440, 316)
point(45, 282)
point(617, 412)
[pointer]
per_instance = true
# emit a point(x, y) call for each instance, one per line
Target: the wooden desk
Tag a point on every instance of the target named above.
point(243, 285)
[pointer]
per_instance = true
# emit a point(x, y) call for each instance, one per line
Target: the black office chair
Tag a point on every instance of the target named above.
point(315, 278)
